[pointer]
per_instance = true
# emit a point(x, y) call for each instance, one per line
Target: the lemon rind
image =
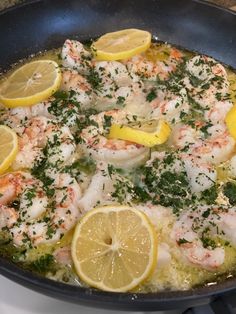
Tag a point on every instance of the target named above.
point(102, 55)
point(38, 97)
point(10, 157)
point(230, 121)
point(141, 137)
point(152, 262)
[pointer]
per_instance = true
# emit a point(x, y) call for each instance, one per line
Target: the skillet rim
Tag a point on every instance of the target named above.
point(128, 301)
point(204, 2)
point(104, 299)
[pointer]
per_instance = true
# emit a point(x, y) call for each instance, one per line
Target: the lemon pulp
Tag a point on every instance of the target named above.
point(122, 44)
point(8, 147)
point(31, 83)
point(114, 248)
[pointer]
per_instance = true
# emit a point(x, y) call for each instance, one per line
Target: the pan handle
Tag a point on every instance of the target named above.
point(221, 305)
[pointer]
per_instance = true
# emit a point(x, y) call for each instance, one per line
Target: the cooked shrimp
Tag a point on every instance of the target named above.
point(113, 72)
point(22, 186)
point(73, 81)
point(99, 189)
point(218, 111)
point(212, 81)
point(10, 187)
point(62, 218)
point(8, 216)
point(63, 255)
point(169, 106)
point(116, 87)
point(36, 134)
point(145, 68)
point(35, 221)
point(226, 221)
point(160, 216)
point(205, 68)
point(191, 245)
point(189, 233)
point(184, 135)
point(135, 102)
point(74, 56)
point(201, 175)
point(17, 117)
point(218, 147)
point(33, 202)
point(117, 152)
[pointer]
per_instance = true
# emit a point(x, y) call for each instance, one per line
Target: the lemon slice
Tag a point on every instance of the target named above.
point(149, 134)
point(31, 83)
point(122, 44)
point(8, 147)
point(114, 248)
point(230, 121)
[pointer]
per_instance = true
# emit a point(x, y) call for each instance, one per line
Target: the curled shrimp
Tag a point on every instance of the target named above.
point(116, 88)
point(218, 111)
point(201, 174)
point(74, 56)
point(169, 106)
point(17, 117)
point(35, 221)
point(35, 135)
point(62, 218)
point(190, 244)
point(73, 81)
point(113, 71)
point(150, 69)
point(217, 148)
point(190, 229)
point(100, 188)
point(10, 187)
point(212, 81)
point(21, 185)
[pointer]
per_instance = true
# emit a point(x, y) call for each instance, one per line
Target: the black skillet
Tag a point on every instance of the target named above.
point(45, 24)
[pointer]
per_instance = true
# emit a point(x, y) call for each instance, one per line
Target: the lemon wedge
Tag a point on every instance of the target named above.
point(31, 83)
point(121, 44)
point(149, 134)
point(8, 147)
point(114, 248)
point(230, 121)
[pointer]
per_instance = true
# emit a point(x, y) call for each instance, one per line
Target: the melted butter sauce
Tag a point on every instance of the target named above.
point(178, 275)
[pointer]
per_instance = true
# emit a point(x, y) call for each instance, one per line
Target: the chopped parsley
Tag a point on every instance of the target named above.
point(43, 264)
point(229, 190)
point(182, 241)
point(94, 79)
point(30, 194)
point(107, 123)
point(120, 101)
point(151, 95)
point(209, 196)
